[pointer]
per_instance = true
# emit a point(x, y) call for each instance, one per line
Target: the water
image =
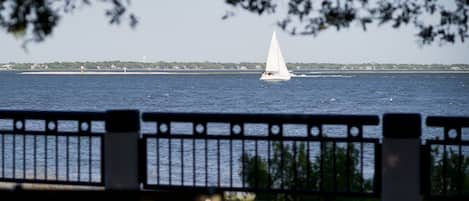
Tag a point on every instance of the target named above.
point(376, 94)
point(428, 94)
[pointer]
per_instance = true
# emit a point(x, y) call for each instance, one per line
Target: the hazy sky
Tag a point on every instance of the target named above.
point(184, 30)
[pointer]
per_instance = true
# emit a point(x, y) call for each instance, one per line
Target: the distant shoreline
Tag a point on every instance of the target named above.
point(215, 72)
point(131, 73)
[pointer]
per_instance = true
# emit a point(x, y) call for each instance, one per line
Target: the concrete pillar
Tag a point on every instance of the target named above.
point(401, 157)
point(121, 150)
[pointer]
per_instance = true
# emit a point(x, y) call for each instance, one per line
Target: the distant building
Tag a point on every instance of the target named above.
point(6, 67)
point(39, 67)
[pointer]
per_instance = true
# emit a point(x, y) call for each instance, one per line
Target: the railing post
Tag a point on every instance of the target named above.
point(401, 157)
point(121, 150)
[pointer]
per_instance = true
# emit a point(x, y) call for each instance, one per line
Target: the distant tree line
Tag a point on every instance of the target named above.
point(162, 65)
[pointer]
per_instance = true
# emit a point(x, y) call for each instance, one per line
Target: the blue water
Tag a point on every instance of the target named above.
point(428, 94)
point(376, 94)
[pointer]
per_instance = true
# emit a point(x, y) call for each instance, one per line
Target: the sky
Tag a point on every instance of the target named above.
point(193, 31)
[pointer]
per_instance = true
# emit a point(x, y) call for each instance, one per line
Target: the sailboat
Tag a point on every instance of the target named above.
point(275, 69)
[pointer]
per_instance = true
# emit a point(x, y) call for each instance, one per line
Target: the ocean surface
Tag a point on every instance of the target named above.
point(375, 94)
point(428, 94)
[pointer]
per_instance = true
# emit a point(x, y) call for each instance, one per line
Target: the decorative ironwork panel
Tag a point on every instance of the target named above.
point(271, 153)
point(445, 164)
point(51, 147)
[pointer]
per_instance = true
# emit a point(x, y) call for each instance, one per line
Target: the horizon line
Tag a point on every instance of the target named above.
point(378, 63)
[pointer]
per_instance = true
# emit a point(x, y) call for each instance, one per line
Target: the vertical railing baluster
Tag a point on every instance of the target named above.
point(181, 141)
point(3, 155)
point(144, 164)
point(67, 144)
point(256, 165)
point(14, 155)
point(243, 164)
point(361, 168)
point(295, 168)
point(206, 161)
point(193, 161)
point(429, 164)
point(282, 166)
point(157, 147)
point(231, 163)
point(334, 165)
point(347, 168)
point(78, 157)
point(101, 158)
point(321, 166)
point(269, 179)
point(460, 177)
point(56, 154)
point(444, 169)
point(308, 166)
point(218, 163)
point(169, 159)
point(34, 157)
point(24, 156)
point(90, 151)
point(45, 157)
point(378, 169)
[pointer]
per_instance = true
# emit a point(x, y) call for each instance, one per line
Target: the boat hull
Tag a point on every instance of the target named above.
point(274, 78)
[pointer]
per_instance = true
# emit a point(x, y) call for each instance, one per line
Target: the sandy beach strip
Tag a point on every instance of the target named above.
point(130, 73)
point(296, 74)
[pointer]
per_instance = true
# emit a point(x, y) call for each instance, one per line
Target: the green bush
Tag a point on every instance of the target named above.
point(295, 159)
point(453, 177)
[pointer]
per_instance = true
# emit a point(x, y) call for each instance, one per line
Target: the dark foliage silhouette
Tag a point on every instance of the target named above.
point(290, 166)
point(445, 21)
point(36, 19)
point(447, 24)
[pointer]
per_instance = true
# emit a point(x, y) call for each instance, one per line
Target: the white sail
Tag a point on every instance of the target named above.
point(275, 66)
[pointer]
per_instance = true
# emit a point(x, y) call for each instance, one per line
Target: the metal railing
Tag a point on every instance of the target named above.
point(446, 160)
point(260, 153)
point(51, 147)
point(268, 154)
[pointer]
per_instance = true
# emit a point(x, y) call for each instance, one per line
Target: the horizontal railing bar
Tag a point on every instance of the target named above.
point(259, 190)
point(55, 115)
point(262, 118)
point(51, 133)
point(449, 197)
point(448, 142)
point(39, 181)
point(440, 121)
point(253, 137)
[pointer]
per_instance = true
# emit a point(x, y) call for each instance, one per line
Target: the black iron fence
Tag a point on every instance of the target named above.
point(446, 160)
point(262, 153)
point(282, 154)
point(51, 147)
